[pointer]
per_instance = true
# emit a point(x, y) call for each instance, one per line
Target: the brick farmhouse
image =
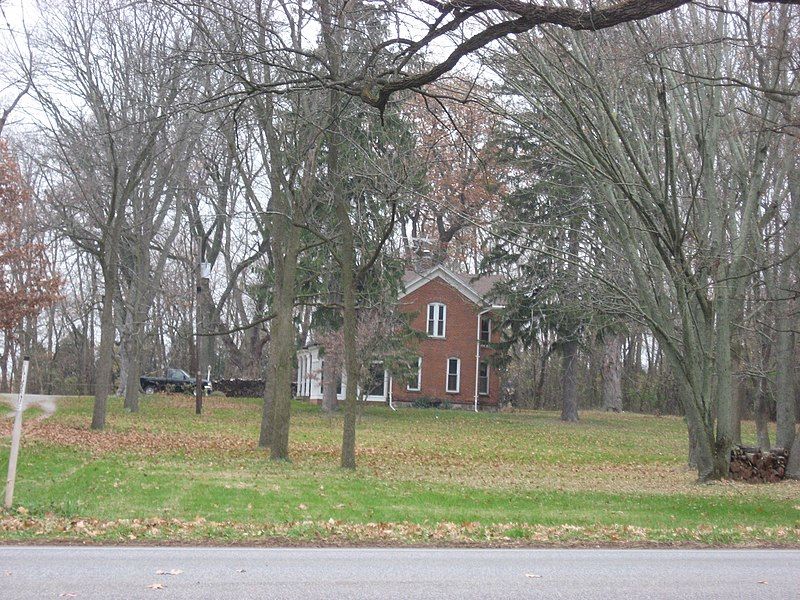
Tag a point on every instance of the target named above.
point(453, 364)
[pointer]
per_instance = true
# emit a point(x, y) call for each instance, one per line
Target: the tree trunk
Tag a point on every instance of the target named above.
point(742, 392)
point(694, 458)
point(612, 372)
point(786, 322)
point(701, 454)
point(741, 399)
point(131, 347)
point(723, 390)
point(332, 24)
point(347, 260)
point(784, 383)
point(282, 351)
point(539, 394)
point(123, 360)
point(569, 381)
point(134, 369)
point(265, 433)
point(202, 342)
point(4, 366)
point(761, 410)
point(347, 253)
point(793, 466)
point(107, 331)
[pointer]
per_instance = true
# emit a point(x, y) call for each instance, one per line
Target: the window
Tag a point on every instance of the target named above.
point(415, 379)
point(376, 383)
point(453, 375)
point(437, 314)
point(483, 378)
point(486, 329)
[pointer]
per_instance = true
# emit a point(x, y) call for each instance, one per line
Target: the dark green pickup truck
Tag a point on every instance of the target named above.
point(174, 380)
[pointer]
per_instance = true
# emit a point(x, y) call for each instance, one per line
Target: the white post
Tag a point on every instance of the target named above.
point(388, 376)
point(16, 434)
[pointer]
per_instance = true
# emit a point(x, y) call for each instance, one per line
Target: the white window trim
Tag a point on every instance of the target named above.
point(443, 313)
point(447, 376)
point(419, 377)
point(488, 370)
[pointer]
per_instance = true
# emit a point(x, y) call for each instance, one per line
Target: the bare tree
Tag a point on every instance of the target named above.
point(16, 71)
point(681, 218)
point(111, 90)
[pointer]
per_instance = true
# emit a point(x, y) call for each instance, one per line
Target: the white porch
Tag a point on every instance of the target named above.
point(310, 379)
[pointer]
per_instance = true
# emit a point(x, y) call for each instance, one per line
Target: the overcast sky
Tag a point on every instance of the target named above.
point(16, 16)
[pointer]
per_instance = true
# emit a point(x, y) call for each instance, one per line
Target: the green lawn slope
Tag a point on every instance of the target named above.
point(424, 477)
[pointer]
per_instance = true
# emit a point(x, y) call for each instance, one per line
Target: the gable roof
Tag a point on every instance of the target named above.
point(473, 289)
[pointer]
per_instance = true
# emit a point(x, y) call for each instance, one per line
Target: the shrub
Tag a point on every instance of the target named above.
point(426, 402)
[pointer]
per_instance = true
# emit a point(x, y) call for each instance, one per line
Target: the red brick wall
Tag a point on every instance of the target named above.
point(459, 342)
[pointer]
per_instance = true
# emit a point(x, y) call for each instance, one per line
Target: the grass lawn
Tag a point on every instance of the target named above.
point(424, 477)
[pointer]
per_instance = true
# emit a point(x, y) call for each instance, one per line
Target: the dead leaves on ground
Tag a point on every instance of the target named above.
point(144, 442)
point(402, 533)
point(508, 452)
point(140, 442)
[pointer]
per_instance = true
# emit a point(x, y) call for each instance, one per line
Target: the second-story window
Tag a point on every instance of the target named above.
point(486, 329)
point(437, 317)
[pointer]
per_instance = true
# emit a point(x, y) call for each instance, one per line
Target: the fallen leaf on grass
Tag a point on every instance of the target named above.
point(302, 507)
point(156, 586)
point(171, 572)
point(533, 576)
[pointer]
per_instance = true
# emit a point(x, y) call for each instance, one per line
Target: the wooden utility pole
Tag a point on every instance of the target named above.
point(16, 435)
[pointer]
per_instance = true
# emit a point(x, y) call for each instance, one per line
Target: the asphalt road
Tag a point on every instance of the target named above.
point(288, 573)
